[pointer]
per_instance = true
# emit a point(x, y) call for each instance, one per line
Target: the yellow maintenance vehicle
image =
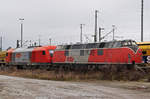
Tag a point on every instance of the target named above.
point(2, 57)
point(145, 46)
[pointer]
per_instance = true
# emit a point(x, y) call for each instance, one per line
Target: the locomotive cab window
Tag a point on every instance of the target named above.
point(43, 53)
point(100, 52)
point(129, 43)
point(134, 43)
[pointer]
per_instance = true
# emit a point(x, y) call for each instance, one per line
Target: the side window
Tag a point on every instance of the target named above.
point(43, 53)
point(66, 53)
point(81, 52)
point(101, 45)
point(100, 52)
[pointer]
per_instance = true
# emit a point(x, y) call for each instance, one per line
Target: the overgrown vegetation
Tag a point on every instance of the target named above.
point(105, 73)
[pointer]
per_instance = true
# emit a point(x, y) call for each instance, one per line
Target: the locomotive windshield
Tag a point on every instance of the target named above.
point(134, 43)
point(129, 43)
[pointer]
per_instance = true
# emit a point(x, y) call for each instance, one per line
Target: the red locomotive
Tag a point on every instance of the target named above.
point(36, 56)
point(114, 52)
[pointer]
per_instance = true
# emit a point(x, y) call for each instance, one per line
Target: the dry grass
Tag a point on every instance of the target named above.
point(104, 74)
point(51, 75)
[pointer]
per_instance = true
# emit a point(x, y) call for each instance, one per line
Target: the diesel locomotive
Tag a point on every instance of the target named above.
point(30, 57)
point(113, 52)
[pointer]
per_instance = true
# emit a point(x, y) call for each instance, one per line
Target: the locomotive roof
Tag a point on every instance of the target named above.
point(44, 48)
point(34, 48)
point(10, 50)
point(109, 44)
point(98, 42)
point(23, 50)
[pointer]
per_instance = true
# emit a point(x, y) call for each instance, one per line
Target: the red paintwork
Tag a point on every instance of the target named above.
point(38, 57)
point(70, 59)
point(116, 55)
point(59, 56)
point(9, 54)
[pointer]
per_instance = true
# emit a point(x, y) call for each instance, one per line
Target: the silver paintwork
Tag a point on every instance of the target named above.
point(25, 55)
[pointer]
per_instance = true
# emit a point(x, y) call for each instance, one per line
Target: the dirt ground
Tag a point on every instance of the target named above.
point(22, 88)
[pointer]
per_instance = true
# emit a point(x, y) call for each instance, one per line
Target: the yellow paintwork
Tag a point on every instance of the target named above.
point(2, 56)
point(145, 46)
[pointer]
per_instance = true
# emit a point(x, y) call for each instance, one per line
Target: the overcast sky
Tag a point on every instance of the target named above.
point(61, 19)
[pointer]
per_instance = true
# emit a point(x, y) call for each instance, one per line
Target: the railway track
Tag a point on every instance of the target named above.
point(144, 68)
